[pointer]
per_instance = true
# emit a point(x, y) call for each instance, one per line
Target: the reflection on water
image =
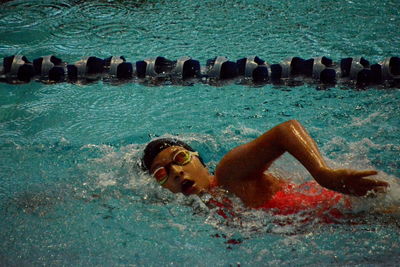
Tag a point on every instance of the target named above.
point(139, 29)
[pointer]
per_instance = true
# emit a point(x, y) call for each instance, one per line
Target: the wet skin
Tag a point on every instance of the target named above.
point(192, 178)
point(242, 170)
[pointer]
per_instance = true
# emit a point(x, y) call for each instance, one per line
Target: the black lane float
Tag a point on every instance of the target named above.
point(219, 70)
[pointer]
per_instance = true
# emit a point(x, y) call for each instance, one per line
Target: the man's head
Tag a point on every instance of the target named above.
point(176, 166)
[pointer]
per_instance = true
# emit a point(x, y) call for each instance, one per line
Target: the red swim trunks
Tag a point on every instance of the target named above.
point(309, 199)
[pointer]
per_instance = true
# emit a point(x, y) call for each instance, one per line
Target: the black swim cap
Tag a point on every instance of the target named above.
point(156, 146)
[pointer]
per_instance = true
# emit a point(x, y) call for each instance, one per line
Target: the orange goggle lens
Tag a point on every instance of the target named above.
point(161, 175)
point(182, 157)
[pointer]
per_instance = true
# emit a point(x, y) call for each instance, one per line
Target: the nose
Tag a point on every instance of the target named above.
point(176, 171)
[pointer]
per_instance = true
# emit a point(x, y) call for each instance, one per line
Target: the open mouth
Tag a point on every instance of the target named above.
point(187, 187)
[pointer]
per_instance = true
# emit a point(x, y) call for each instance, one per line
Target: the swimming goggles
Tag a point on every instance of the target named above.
point(181, 158)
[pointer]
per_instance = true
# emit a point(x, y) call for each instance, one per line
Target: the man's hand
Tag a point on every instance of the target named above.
point(350, 182)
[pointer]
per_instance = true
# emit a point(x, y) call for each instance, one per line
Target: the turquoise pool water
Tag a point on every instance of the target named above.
point(71, 192)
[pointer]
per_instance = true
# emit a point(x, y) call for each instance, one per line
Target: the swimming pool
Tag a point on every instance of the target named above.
point(71, 192)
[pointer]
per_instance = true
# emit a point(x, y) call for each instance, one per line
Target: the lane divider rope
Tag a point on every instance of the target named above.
point(252, 70)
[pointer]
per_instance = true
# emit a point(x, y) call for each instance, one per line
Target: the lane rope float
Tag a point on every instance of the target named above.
point(357, 72)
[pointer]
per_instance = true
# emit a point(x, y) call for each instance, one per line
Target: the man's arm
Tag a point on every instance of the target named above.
point(250, 160)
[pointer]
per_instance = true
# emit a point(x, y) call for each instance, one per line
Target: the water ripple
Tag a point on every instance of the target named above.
point(240, 28)
point(32, 13)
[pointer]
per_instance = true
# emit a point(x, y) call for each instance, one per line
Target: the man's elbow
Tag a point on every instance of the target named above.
point(292, 123)
point(289, 125)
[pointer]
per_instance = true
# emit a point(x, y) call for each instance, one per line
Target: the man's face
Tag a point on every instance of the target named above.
point(180, 170)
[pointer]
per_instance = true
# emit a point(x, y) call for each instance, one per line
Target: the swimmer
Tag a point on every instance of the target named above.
point(243, 171)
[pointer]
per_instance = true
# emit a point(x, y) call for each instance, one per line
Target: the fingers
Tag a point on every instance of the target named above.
point(354, 175)
point(373, 182)
point(366, 173)
point(370, 187)
point(381, 183)
point(380, 189)
point(360, 185)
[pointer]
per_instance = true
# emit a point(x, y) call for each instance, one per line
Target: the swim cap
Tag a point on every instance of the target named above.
point(156, 146)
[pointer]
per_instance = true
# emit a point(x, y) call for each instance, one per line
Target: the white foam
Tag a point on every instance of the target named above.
point(357, 122)
point(119, 167)
point(112, 166)
point(354, 155)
